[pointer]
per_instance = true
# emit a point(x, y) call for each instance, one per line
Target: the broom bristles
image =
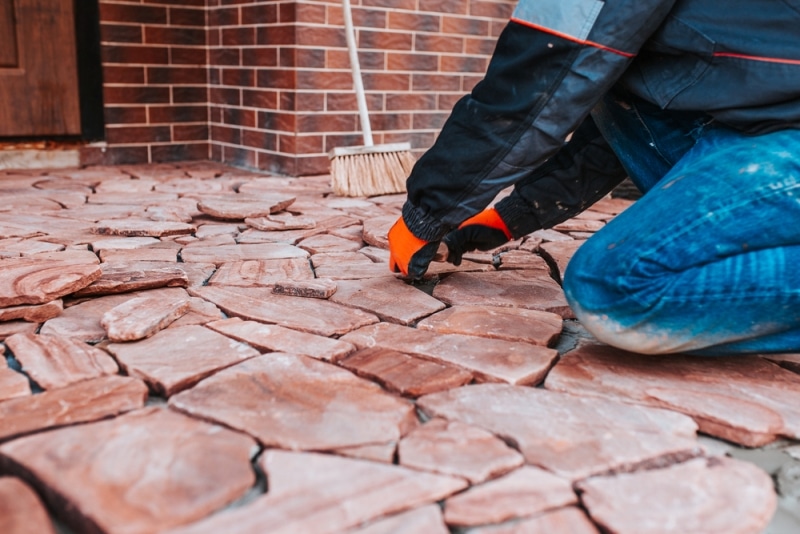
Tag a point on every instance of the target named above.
point(370, 171)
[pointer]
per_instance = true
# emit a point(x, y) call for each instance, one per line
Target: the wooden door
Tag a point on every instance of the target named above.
point(38, 69)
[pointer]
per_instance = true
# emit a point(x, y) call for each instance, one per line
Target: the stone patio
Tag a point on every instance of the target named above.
point(195, 348)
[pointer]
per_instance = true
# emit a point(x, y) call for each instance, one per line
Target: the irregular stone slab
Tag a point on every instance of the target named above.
point(29, 247)
point(328, 243)
point(216, 229)
point(568, 520)
point(143, 228)
point(318, 288)
point(408, 375)
point(145, 198)
point(703, 495)
point(299, 403)
point(382, 452)
point(548, 236)
point(289, 237)
point(389, 298)
point(88, 400)
point(36, 313)
point(376, 230)
point(21, 511)
point(325, 494)
point(57, 361)
point(163, 252)
point(611, 206)
point(427, 519)
point(453, 448)
point(142, 317)
point(274, 338)
point(17, 327)
point(559, 253)
point(280, 222)
point(579, 225)
point(522, 259)
point(787, 361)
point(261, 273)
point(240, 208)
point(196, 273)
point(515, 289)
point(124, 243)
point(177, 358)
point(353, 233)
point(37, 281)
point(200, 312)
point(573, 437)
point(513, 324)
point(122, 278)
point(354, 271)
point(226, 253)
point(746, 399)
point(145, 471)
point(260, 304)
point(490, 360)
point(13, 384)
point(525, 492)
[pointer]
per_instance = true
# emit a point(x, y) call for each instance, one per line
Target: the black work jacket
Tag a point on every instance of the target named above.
point(736, 60)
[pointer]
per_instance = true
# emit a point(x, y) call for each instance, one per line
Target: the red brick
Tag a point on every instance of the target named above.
point(226, 16)
point(135, 54)
point(177, 75)
point(416, 22)
point(415, 62)
point(286, 12)
point(369, 19)
point(493, 9)
point(312, 165)
point(324, 79)
point(260, 57)
point(307, 58)
point(277, 35)
point(221, 95)
point(276, 78)
point(132, 13)
point(239, 117)
point(190, 132)
point(213, 37)
point(340, 101)
point(135, 95)
point(381, 81)
point(182, 94)
point(301, 144)
point(137, 134)
point(439, 44)
point(225, 134)
point(479, 46)
point(452, 7)
point(468, 83)
point(187, 17)
point(125, 155)
point(259, 139)
point(280, 122)
point(198, 3)
point(244, 35)
point(188, 56)
point(224, 56)
point(427, 121)
point(176, 36)
point(310, 102)
point(320, 37)
point(448, 101)
point(238, 77)
point(173, 114)
point(125, 115)
point(239, 157)
point(326, 122)
point(308, 12)
point(119, 74)
point(410, 101)
point(260, 99)
point(121, 33)
point(337, 59)
point(260, 14)
point(498, 27)
point(386, 40)
point(370, 60)
point(179, 152)
point(435, 82)
point(464, 64)
point(388, 122)
point(350, 139)
point(406, 5)
point(216, 152)
point(465, 26)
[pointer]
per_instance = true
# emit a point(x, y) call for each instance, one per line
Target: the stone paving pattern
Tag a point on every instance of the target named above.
point(193, 348)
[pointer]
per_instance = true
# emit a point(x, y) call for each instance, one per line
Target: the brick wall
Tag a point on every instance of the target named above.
point(267, 84)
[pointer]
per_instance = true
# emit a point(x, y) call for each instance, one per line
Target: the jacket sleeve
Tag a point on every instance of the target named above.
point(553, 62)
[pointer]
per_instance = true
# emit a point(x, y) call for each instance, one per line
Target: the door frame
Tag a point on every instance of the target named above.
point(90, 69)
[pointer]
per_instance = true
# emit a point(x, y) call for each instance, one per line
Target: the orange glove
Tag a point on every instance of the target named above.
point(484, 231)
point(409, 254)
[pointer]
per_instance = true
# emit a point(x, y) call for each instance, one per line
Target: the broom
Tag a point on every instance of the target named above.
point(367, 170)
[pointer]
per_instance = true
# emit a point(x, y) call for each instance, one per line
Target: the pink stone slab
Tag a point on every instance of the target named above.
point(569, 520)
point(524, 492)
point(274, 338)
point(328, 243)
point(144, 198)
point(353, 233)
point(121, 278)
point(216, 229)
point(494, 360)
point(34, 313)
point(787, 361)
point(611, 206)
point(56, 361)
point(289, 237)
point(408, 375)
point(548, 236)
point(389, 298)
point(522, 259)
point(299, 403)
point(200, 312)
point(559, 253)
point(318, 288)
point(123, 243)
point(142, 228)
point(280, 222)
point(354, 271)
point(261, 273)
point(457, 449)
point(325, 494)
point(579, 225)
point(145, 471)
point(226, 253)
point(141, 317)
point(29, 247)
point(515, 289)
point(341, 259)
point(196, 273)
point(427, 519)
point(307, 315)
point(746, 399)
point(37, 281)
point(376, 229)
point(382, 452)
point(703, 495)
point(513, 324)
point(573, 437)
point(163, 252)
point(17, 327)
point(242, 207)
point(88, 400)
point(13, 384)
point(177, 358)
point(21, 511)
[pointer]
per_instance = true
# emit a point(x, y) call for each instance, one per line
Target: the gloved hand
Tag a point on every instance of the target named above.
point(409, 254)
point(484, 231)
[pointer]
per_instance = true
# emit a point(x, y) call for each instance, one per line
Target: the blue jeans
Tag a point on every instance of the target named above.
point(708, 260)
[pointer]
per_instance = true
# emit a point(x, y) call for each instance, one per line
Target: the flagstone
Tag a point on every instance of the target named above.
point(376, 230)
point(200, 312)
point(242, 252)
point(196, 273)
point(13, 384)
point(579, 225)
point(319, 288)
point(375, 254)
point(746, 399)
point(457, 449)
point(214, 229)
point(143, 198)
point(353, 233)
point(315, 316)
point(56, 361)
point(288, 237)
point(492, 360)
point(200, 182)
point(704, 495)
point(611, 206)
point(81, 402)
point(565, 520)
point(112, 243)
point(515, 289)
point(75, 255)
point(328, 243)
point(353, 271)
point(145, 471)
point(787, 361)
point(35, 313)
point(261, 273)
point(550, 236)
point(524, 492)
point(141, 317)
point(164, 251)
point(513, 324)
point(126, 185)
point(37, 281)
point(29, 247)
point(296, 402)
point(408, 375)
point(242, 207)
point(427, 519)
point(9, 328)
point(121, 278)
point(142, 228)
point(522, 259)
point(570, 436)
point(325, 494)
point(559, 253)
point(381, 452)
point(340, 259)
point(211, 241)
point(177, 358)
point(389, 298)
point(281, 222)
point(21, 510)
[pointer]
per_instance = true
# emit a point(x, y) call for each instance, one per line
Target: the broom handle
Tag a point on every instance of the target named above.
point(356, 70)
